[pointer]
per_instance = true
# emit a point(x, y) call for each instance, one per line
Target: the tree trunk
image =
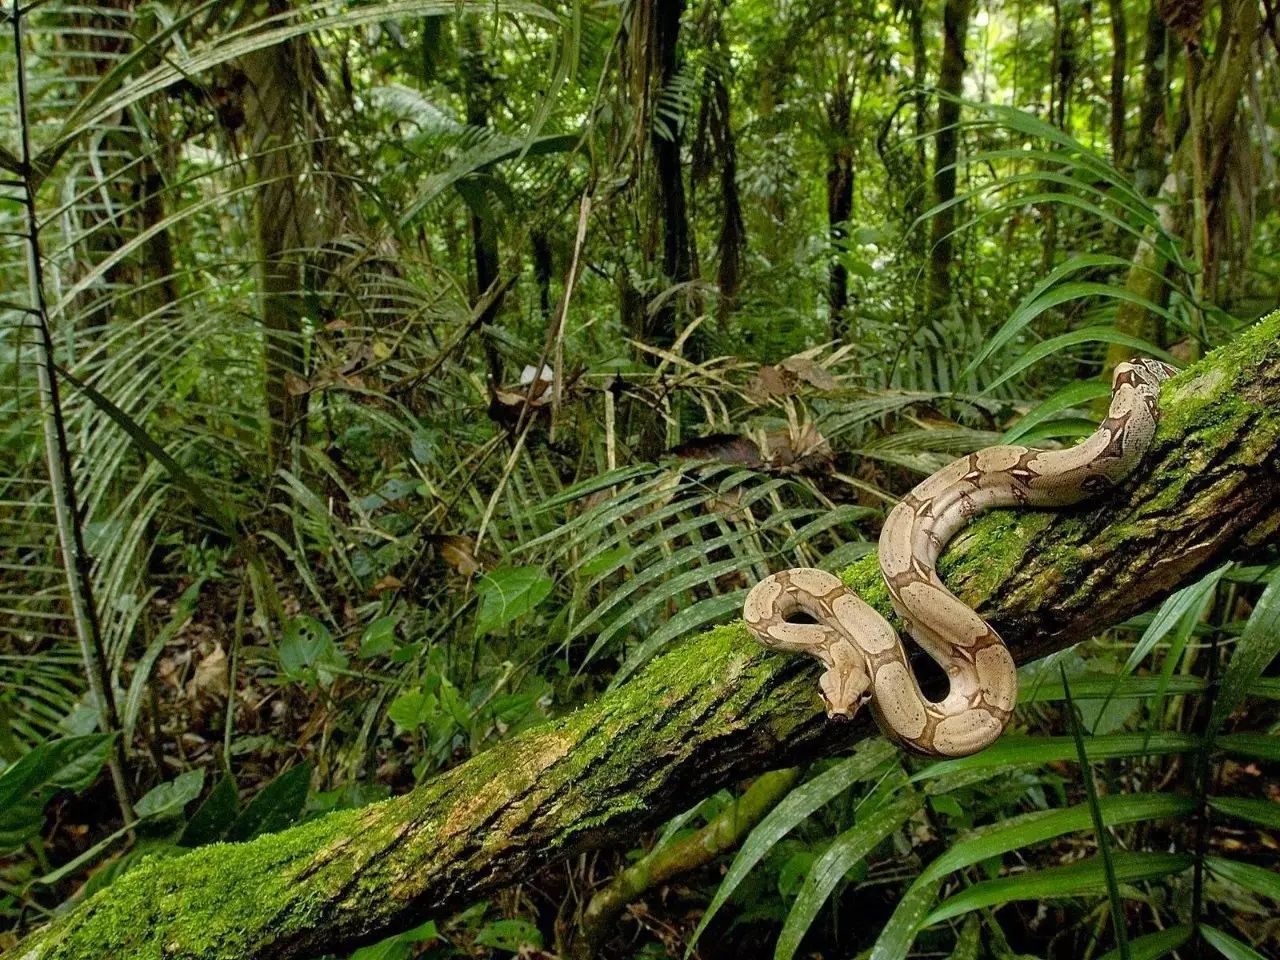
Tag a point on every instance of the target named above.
point(1150, 146)
point(665, 141)
point(275, 116)
point(712, 710)
point(955, 28)
point(1219, 96)
point(478, 83)
point(840, 169)
point(1119, 67)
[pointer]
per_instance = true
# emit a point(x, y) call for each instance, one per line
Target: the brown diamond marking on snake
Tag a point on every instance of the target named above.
point(1114, 449)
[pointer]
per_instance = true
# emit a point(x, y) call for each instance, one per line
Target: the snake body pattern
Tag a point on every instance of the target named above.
point(865, 658)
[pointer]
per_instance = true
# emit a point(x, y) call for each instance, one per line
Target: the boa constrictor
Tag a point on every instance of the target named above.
point(864, 657)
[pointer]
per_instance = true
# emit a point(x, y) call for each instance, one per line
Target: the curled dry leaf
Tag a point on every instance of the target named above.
point(802, 450)
point(811, 372)
point(787, 377)
point(210, 679)
point(459, 553)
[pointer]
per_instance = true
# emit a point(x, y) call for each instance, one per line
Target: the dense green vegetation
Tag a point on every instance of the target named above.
point(382, 380)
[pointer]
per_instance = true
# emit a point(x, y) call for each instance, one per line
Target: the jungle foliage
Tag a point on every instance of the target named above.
point(379, 380)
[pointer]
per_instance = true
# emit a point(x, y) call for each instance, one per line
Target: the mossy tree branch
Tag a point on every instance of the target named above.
point(712, 710)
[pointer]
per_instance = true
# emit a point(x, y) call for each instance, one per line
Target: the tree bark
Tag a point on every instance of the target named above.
point(1216, 105)
point(840, 172)
point(712, 710)
point(955, 29)
point(1119, 67)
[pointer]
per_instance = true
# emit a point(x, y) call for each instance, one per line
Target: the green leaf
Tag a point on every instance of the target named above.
point(1099, 334)
point(400, 946)
point(214, 817)
point(1227, 945)
point(605, 560)
point(1085, 878)
point(790, 812)
point(1100, 835)
point(1017, 833)
point(1260, 880)
point(379, 638)
point(1265, 812)
point(1153, 945)
point(276, 806)
point(1259, 644)
point(1013, 750)
point(1020, 832)
point(412, 709)
point(170, 799)
point(507, 593)
point(899, 933)
point(847, 850)
point(72, 763)
point(306, 643)
point(1264, 746)
point(509, 935)
point(1074, 395)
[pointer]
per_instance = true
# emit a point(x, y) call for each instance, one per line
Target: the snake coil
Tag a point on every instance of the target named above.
point(865, 658)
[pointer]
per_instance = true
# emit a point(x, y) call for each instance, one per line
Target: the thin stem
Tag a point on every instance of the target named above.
point(66, 510)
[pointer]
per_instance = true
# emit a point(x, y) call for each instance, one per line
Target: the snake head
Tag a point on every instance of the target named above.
point(846, 684)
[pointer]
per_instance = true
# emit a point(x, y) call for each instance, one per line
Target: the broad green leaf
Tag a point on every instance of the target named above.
point(306, 644)
point(1260, 880)
point(1085, 878)
point(1020, 832)
point(412, 709)
point(1188, 602)
point(1265, 812)
point(899, 933)
point(1099, 334)
point(1012, 750)
point(507, 593)
point(276, 806)
point(72, 763)
point(214, 817)
point(379, 638)
point(399, 947)
point(1259, 644)
point(1105, 686)
point(847, 850)
point(170, 799)
point(1070, 397)
point(1264, 746)
point(1153, 945)
point(512, 936)
point(1227, 945)
point(794, 809)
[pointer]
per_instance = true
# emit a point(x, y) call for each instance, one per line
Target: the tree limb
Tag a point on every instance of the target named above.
point(712, 710)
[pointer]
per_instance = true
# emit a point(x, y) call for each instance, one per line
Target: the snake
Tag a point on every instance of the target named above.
point(809, 611)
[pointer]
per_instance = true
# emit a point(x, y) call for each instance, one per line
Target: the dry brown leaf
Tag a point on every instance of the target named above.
point(459, 553)
point(210, 678)
point(770, 382)
point(811, 372)
point(295, 385)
